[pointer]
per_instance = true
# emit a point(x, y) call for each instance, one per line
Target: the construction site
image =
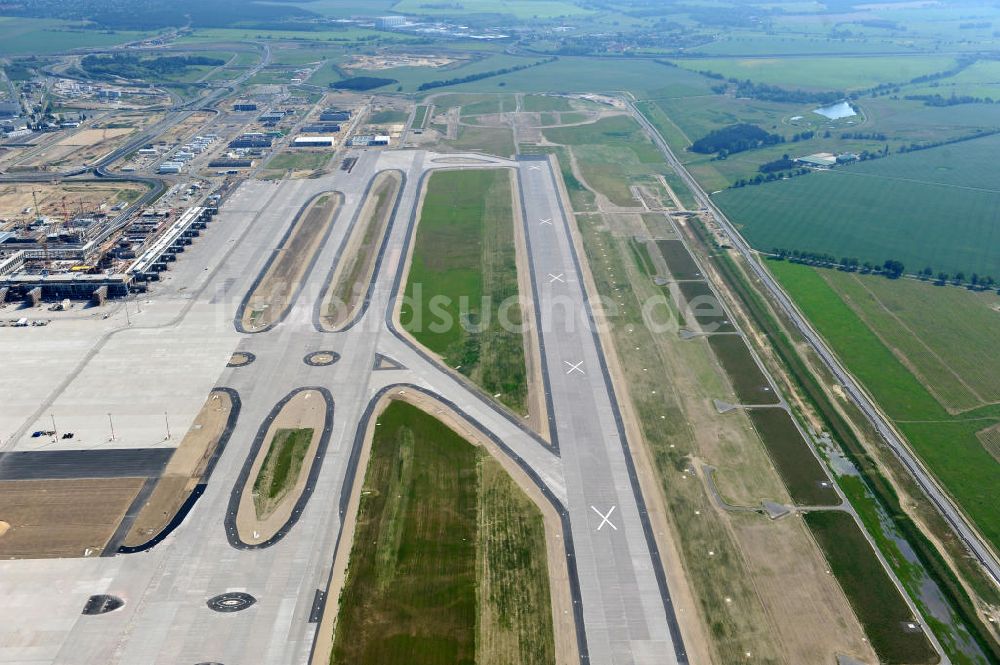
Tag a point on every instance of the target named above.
point(97, 245)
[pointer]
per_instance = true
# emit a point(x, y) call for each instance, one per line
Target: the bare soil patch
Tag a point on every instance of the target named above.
point(376, 62)
point(184, 471)
point(349, 283)
point(273, 295)
point(66, 198)
point(62, 518)
point(89, 137)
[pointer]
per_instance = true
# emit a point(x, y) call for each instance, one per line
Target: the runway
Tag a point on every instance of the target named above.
point(621, 596)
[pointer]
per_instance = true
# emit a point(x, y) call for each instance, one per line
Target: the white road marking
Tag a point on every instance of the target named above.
point(556, 278)
point(574, 367)
point(605, 519)
point(545, 221)
point(534, 167)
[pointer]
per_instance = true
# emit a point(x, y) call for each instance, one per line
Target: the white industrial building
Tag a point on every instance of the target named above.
point(389, 22)
point(314, 142)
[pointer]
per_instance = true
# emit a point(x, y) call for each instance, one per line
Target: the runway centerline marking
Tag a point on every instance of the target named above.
point(574, 367)
point(605, 519)
point(556, 278)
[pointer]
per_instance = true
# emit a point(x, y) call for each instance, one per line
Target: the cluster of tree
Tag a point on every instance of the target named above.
point(782, 164)
point(975, 282)
point(803, 136)
point(862, 136)
point(734, 138)
point(891, 87)
point(890, 268)
point(982, 25)
point(23, 69)
point(979, 133)
point(882, 24)
point(483, 75)
point(761, 178)
point(359, 83)
point(129, 66)
point(771, 93)
point(716, 16)
point(953, 100)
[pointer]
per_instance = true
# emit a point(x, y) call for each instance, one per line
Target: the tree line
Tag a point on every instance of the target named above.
point(890, 268)
point(482, 75)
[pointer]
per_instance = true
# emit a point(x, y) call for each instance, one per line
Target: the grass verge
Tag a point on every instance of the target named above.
point(448, 562)
point(281, 467)
point(463, 280)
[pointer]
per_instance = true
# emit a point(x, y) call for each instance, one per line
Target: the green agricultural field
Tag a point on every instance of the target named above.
point(280, 469)
point(947, 336)
point(346, 36)
point(947, 443)
point(829, 73)
point(522, 9)
point(410, 78)
point(797, 44)
point(929, 208)
point(645, 78)
point(28, 36)
point(878, 604)
point(464, 257)
point(981, 79)
point(448, 563)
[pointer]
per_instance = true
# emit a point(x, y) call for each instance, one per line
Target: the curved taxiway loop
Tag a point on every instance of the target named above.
point(386, 234)
point(234, 413)
point(292, 297)
point(567, 534)
point(232, 532)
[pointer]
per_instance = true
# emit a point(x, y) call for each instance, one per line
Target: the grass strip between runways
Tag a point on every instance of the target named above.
point(463, 282)
point(448, 564)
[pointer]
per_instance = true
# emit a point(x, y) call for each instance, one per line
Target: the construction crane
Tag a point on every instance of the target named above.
point(45, 234)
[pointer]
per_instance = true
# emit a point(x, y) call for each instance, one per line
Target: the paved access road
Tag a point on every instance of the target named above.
point(620, 594)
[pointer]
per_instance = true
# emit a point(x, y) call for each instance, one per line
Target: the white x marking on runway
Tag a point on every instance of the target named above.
point(573, 367)
point(605, 519)
point(535, 167)
point(556, 278)
point(546, 221)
